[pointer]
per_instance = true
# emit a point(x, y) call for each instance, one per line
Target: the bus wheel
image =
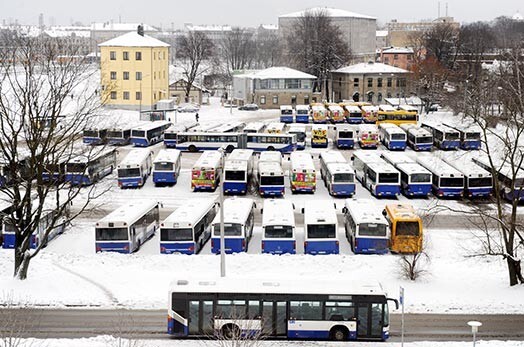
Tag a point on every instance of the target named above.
point(271, 148)
point(339, 334)
point(192, 148)
point(230, 331)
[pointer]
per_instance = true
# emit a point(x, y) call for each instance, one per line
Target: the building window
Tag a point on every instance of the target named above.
point(293, 99)
point(379, 97)
point(306, 84)
point(390, 82)
point(398, 82)
point(355, 82)
point(402, 82)
point(275, 99)
point(154, 55)
point(112, 55)
point(389, 95)
point(395, 57)
point(138, 95)
point(262, 100)
point(306, 99)
point(370, 97)
point(410, 56)
point(138, 76)
point(340, 82)
point(379, 82)
point(126, 56)
point(126, 95)
point(126, 75)
point(113, 75)
point(370, 82)
point(386, 60)
point(154, 96)
point(113, 95)
point(138, 55)
point(164, 55)
point(154, 75)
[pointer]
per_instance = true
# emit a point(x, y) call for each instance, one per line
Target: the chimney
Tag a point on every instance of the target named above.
point(140, 30)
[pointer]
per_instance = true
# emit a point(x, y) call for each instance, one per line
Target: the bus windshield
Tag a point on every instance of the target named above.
point(272, 180)
point(398, 137)
point(321, 231)
point(115, 134)
point(230, 229)
point(424, 139)
point(278, 231)
point(388, 177)
point(407, 228)
point(111, 234)
point(138, 133)
point(301, 137)
point(452, 182)
point(122, 173)
point(343, 177)
point(76, 167)
point(183, 234)
point(345, 134)
point(473, 136)
point(480, 182)
point(170, 136)
point(91, 133)
point(164, 166)
point(420, 178)
point(235, 175)
point(452, 136)
point(372, 229)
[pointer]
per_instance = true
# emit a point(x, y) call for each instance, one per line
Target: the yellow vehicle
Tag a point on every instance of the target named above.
point(397, 117)
point(406, 228)
point(319, 136)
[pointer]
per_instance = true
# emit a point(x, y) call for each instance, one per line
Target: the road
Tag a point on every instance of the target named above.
point(151, 324)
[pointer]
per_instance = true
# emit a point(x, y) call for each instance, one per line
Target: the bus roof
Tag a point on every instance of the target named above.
point(278, 212)
point(270, 156)
point(412, 168)
point(270, 168)
point(383, 167)
point(301, 161)
point(353, 108)
point(208, 159)
point(322, 127)
point(417, 131)
point(241, 154)
point(176, 128)
point(393, 130)
point(295, 128)
point(190, 212)
point(135, 157)
point(465, 164)
point(395, 158)
point(367, 127)
point(128, 213)
point(465, 128)
point(256, 126)
point(402, 211)
point(365, 211)
point(167, 155)
point(368, 108)
point(233, 164)
point(236, 210)
point(320, 108)
point(90, 155)
point(302, 107)
point(367, 157)
point(286, 107)
point(406, 126)
point(438, 166)
point(332, 157)
point(408, 108)
point(335, 108)
point(503, 168)
point(152, 125)
point(340, 168)
point(319, 211)
point(386, 108)
point(440, 127)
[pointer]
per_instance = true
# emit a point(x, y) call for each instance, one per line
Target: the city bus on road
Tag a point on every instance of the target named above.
point(345, 136)
point(478, 183)
point(419, 139)
point(393, 137)
point(238, 170)
point(254, 127)
point(353, 114)
point(366, 228)
point(299, 130)
point(375, 174)
point(443, 137)
point(338, 175)
point(447, 181)
point(406, 228)
point(270, 177)
point(511, 179)
point(318, 113)
point(239, 220)
point(170, 134)
point(89, 167)
point(368, 136)
point(134, 170)
point(278, 224)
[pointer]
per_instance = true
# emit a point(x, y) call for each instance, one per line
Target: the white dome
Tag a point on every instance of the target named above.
point(517, 16)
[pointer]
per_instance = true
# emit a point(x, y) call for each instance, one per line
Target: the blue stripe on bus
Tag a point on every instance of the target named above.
point(131, 182)
point(515, 194)
point(345, 143)
point(386, 190)
point(321, 247)
point(354, 120)
point(138, 142)
point(170, 143)
point(9, 240)
point(302, 119)
point(366, 245)
point(278, 246)
point(479, 192)
point(286, 119)
point(235, 187)
point(400, 145)
point(467, 145)
point(416, 189)
point(342, 189)
point(271, 190)
point(449, 144)
point(422, 147)
point(78, 179)
point(201, 148)
point(286, 149)
point(92, 140)
point(319, 145)
point(308, 334)
point(164, 177)
point(178, 247)
point(119, 247)
point(300, 147)
point(448, 192)
point(119, 142)
point(233, 245)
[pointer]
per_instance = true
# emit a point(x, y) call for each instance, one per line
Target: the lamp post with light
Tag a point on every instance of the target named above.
point(474, 329)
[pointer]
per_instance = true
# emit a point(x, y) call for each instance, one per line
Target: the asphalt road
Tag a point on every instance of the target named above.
point(151, 324)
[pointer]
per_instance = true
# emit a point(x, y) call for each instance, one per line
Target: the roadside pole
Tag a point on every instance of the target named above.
point(222, 238)
point(402, 324)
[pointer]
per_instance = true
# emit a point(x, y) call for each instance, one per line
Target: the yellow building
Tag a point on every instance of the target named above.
point(134, 71)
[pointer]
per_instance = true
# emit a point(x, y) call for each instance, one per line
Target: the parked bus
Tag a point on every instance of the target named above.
point(238, 169)
point(299, 131)
point(477, 182)
point(49, 216)
point(284, 143)
point(148, 134)
point(406, 228)
point(302, 114)
point(94, 135)
point(393, 137)
point(202, 141)
point(254, 127)
point(375, 174)
point(369, 114)
point(353, 114)
point(239, 219)
point(469, 136)
point(319, 113)
point(415, 180)
point(188, 229)
point(338, 175)
point(270, 177)
point(166, 166)
point(278, 227)
point(119, 136)
point(345, 136)
point(90, 167)
point(286, 114)
point(128, 227)
point(276, 128)
point(368, 136)
point(206, 172)
point(443, 136)
point(511, 180)
point(366, 228)
point(270, 157)
point(336, 114)
point(231, 127)
point(302, 175)
point(419, 139)
point(319, 136)
point(135, 168)
point(447, 181)
point(295, 308)
point(320, 228)
point(397, 117)
point(171, 133)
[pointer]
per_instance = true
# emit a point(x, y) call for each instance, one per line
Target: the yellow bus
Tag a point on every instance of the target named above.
point(406, 228)
point(397, 117)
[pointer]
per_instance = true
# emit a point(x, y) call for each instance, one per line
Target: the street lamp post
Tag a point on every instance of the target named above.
point(221, 200)
point(474, 329)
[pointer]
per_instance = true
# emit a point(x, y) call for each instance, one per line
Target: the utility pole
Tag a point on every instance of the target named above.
point(221, 198)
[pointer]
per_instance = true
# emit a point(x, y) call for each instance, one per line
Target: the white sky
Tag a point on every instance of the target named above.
point(166, 13)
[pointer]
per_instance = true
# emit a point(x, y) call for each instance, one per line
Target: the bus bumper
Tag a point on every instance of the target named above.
point(178, 248)
point(279, 247)
point(118, 247)
point(321, 247)
point(232, 245)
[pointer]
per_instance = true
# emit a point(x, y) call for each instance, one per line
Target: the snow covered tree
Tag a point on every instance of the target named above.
point(238, 49)
point(46, 101)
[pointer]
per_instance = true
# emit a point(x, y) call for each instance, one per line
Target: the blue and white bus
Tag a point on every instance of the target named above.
point(353, 114)
point(286, 114)
point(170, 134)
point(366, 228)
point(478, 183)
point(166, 167)
point(94, 135)
point(284, 143)
point(270, 177)
point(447, 181)
point(345, 136)
point(299, 130)
point(293, 308)
point(419, 139)
point(302, 114)
point(134, 170)
point(231, 127)
point(203, 141)
point(238, 170)
point(415, 180)
point(90, 167)
point(443, 137)
point(254, 127)
point(278, 227)
point(239, 219)
point(188, 229)
point(511, 180)
point(338, 175)
point(375, 174)
point(149, 134)
point(119, 136)
point(275, 157)
point(469, 136)
point(127, 228)
point(392, 136)
point(320, 228)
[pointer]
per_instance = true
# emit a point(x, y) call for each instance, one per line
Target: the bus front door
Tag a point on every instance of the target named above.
point(274, 318)
point(201, 317)
point(370, 320)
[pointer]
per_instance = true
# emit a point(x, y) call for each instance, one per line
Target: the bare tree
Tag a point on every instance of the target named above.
point(194, 49)
point(237, 332)
point(415, 265)
point(16, 321)
point(268, 50)
point(474, 42)
point(45, 103)
point(238, 49)
point(440, 42)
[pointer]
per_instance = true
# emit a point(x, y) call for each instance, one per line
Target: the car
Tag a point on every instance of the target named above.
point(249, 107)
point(188, 108)
point(434, 107)
point(228, 103)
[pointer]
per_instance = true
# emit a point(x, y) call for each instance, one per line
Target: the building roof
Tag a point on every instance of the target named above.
point(269, 26)
point(107, 26)
point(398, 50)
point(68, 31)
point(191, 27)
point(278, 72)
point(517, 16)
point(331, 12)
point(370, 67)
point(133, 39)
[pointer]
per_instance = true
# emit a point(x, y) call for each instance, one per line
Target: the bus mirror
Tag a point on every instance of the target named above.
point(344, 210)
point(335, 205)
point(255, 204)
point(302, 210)
point(384, 213)
point(395, 301)
point(293, 206)
point(261, 211)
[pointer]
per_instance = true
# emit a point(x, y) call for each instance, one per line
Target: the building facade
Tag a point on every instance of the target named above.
point(401, 57)
point(134, 71)
point(400, 33)
point(370, 82)
point(197, 94)
point(102, 32)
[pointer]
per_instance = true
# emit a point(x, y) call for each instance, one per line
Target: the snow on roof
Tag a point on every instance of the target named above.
point(278, 72)
point(517, 16)
point(107, 26)
point(382, 33)
point(370, 67)
point(412, 100)
point(133, 39)
point(269, 26)
point(398, 50)
point(66, 31)
point(129, 212)
point(190, 27)
point(330, 12)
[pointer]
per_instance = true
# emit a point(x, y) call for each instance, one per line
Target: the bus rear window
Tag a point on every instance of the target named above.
point(424, 139)
point(321, 231)
point(90, 133)
point(372, 229)
point(164, 166)
point(170, 136)
point(345, 134)
point(111, 234)
point(115, 134)
point(278, 232)
point(301, 137)
point(138, 133)
point(457, 182)
point(473, 136)
point(343, 178)
point(185, 234)
point(272, 180)
point(76, 167)
point(452, 136)
point(420, 178)
point(398, 137)
point(407, 228)
point(123, 173)
point(480, 182)
point(388, 177)
point(229, 229)
point(235, 175)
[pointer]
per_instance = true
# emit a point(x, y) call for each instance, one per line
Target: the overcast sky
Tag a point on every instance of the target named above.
point(166, 13)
